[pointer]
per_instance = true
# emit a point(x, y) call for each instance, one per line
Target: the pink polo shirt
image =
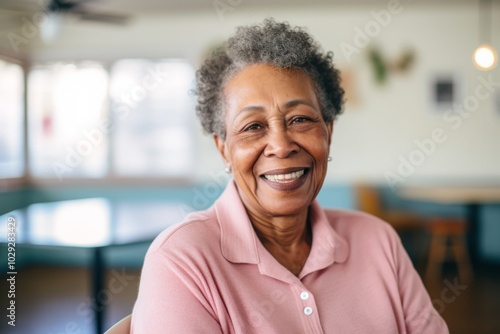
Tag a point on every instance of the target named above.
point(211, 274)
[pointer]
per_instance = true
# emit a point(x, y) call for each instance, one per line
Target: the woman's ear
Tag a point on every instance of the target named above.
point(221, 147)
point(329, 127)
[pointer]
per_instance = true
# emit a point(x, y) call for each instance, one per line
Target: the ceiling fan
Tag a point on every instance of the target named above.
point(74, 8)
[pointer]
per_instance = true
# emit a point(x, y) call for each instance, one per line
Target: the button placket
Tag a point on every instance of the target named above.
point(307, 304)
point(304, 296)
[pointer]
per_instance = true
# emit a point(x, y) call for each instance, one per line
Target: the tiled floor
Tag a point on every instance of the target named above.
point(53, 300)
point(469, 308)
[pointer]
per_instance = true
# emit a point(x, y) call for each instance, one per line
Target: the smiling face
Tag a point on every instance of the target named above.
point(277, 142)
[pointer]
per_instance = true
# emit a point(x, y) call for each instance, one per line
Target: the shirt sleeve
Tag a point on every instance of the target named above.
point(420, 315)
point(170, 300)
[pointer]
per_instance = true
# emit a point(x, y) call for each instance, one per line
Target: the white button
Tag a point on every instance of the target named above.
point(304, 295)
point(308, 310)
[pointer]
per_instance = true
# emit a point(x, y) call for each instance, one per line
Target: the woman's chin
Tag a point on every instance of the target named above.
point(281, 211)
point(285, 198)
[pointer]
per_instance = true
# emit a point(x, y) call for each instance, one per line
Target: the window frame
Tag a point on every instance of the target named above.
point(110, 178)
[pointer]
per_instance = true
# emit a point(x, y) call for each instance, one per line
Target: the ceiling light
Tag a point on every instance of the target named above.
point(485, 57)
point(50, 29)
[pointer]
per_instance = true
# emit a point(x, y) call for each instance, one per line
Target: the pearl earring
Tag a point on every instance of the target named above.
point(329, 158)
point(228, 169)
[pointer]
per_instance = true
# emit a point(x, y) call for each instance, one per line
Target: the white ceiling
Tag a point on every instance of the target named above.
point(11, 11)
point(135, 7)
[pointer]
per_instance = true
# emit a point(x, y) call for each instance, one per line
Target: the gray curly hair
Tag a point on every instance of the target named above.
point(274, 43)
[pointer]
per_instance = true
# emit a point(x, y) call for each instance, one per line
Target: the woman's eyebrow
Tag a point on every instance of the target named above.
point(250, 108)
point(296, 102)
point(288, 105)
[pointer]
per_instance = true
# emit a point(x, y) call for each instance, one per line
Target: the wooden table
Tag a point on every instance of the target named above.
point(471, 197)
point(94, 225)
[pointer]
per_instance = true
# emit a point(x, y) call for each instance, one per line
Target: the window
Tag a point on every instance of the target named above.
point(153, 113)
point(136, 121)
point(67, 112)
point(11, 119)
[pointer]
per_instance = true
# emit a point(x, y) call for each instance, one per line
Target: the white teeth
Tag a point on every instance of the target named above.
point(285, 177)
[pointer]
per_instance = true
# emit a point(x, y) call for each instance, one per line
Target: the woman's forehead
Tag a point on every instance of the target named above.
point(259, 69)
point(263, 81)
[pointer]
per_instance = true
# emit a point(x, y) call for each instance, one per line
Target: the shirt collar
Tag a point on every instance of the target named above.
point(240, 244)
point(327, 246)
point(238, 238)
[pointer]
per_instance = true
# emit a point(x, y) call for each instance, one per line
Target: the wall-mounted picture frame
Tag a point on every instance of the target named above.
point(444, 90)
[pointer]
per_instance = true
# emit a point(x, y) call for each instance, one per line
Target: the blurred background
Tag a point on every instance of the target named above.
point(100, 147)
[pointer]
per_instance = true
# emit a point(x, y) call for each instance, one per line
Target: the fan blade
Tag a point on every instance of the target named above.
point(101, 17)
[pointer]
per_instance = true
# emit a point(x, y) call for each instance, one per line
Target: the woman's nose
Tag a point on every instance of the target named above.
point(280, 144)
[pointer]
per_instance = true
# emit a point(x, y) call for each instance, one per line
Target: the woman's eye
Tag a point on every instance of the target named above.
point(253, 127)
point(299, 119)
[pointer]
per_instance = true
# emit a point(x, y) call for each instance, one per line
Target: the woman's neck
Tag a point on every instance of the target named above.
point(288, 239)
point(282, 231)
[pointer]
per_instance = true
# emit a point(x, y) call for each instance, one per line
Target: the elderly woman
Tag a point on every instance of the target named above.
point(266, 258)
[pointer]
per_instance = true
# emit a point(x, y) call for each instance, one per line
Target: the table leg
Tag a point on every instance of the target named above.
point(473, 220)
point(97, 286)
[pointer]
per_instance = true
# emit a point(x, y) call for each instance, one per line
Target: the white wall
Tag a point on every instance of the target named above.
point(372, 134)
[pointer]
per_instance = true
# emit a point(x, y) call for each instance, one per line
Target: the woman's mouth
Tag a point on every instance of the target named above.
point(290, 177)
point(286, 180)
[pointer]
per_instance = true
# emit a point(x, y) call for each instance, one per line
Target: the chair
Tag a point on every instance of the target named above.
point(121, 327)
point(448, 234)
point(408, 225)
point(369, 201)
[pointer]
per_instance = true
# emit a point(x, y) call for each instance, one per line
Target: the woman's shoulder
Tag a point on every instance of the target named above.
point(198, 230)
point(351, 222)
point(365, 234)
